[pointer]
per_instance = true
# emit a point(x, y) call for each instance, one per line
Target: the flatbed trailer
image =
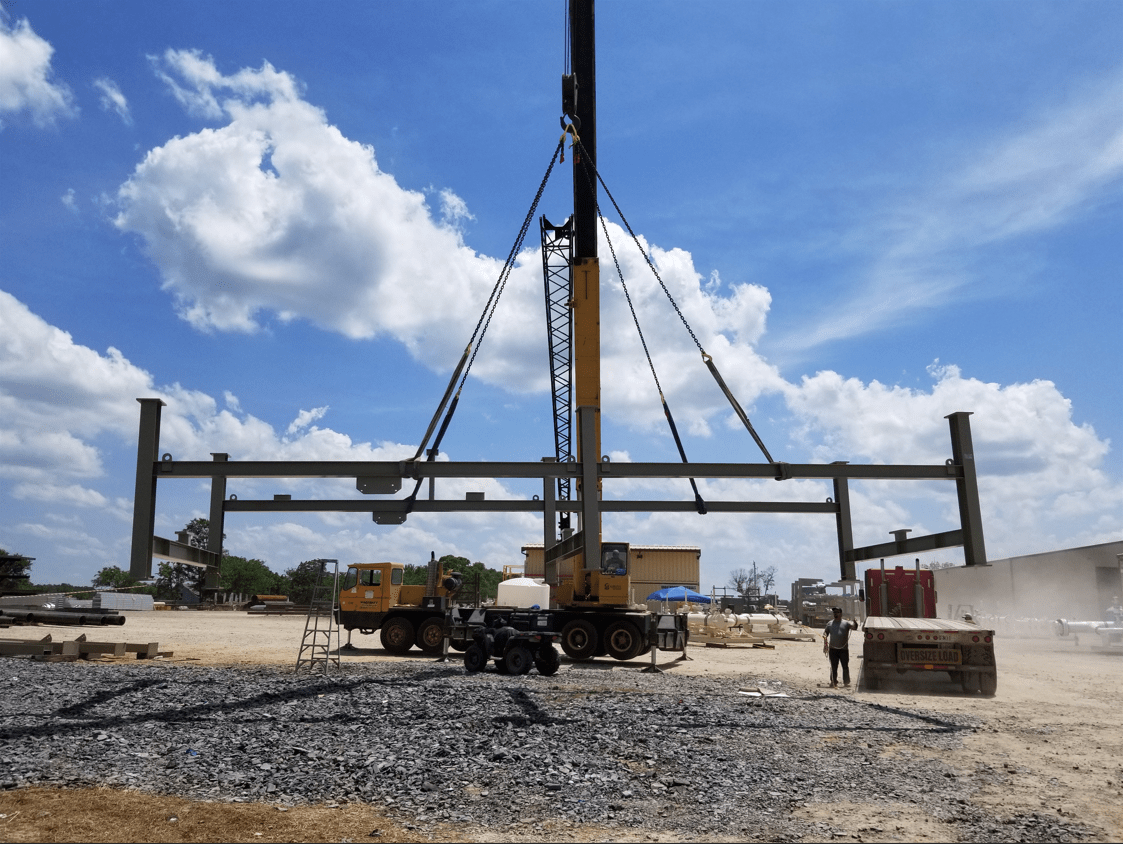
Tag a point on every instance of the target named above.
point(895, 646)
point(582, 634)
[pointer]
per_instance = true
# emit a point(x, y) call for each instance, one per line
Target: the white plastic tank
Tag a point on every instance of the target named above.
point(523, 592)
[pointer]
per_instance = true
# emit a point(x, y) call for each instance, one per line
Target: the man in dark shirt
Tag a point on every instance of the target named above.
point(836, 638)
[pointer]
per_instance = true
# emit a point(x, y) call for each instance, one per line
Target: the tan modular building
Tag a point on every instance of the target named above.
point(651, 567)
point(1075, 584)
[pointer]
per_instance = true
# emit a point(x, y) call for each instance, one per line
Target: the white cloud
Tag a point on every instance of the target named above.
point(25, 76)
point(1056, 167)
point(68, 440)
point(69, 201)
point(306, 418)
point(276, 213)
point(1041, 480)
point(113, 100)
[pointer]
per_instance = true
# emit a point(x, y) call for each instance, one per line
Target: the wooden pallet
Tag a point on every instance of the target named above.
point(48, 650)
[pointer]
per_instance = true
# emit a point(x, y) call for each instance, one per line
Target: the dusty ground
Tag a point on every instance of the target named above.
point(1052, 740)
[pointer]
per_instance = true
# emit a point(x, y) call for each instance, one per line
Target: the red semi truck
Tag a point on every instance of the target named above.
point(902, 634)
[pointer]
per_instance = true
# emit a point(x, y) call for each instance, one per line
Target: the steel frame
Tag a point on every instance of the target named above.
point(386, 477)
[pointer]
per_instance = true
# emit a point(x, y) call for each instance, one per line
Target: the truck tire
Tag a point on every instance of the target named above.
point(397, 635)
point(474, 659)
point(431, 635)
point(988, 684)
point(622, 640)
point(579, 639)
point(518, 660)
point(969, 682)
point(547, 660)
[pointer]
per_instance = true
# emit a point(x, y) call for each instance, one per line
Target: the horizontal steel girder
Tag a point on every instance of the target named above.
point(451, 469)
point(915, 545)
point(398, 505)
point(169, 549)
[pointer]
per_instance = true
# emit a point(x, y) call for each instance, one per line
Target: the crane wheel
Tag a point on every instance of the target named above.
point(431, 635)
point(397, 635)
point(474, 659)
point(518, 660)
point(547, 661)
point(579, 639)
point(622, 640)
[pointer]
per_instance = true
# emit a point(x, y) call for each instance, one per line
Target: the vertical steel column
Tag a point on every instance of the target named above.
point(144, 495)
point(845, 529)
point(549, 511)
point(217, 522)
point(970, 512)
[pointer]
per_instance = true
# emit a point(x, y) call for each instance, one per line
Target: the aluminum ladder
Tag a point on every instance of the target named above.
point(316, 648)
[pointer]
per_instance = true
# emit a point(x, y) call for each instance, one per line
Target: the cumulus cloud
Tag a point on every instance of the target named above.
point(275, 215)
point(1038, 469)
point(26, 83)
point(113, 100)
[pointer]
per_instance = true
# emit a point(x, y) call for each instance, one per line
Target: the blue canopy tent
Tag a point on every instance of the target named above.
point(678, 593)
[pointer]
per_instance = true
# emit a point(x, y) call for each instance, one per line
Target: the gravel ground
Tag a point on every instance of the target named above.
point(685, 757)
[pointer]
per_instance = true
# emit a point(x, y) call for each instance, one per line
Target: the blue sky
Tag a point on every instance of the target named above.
point(284, 220)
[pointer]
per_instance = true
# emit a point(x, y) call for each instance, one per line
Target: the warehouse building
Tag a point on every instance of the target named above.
point(1075, 584)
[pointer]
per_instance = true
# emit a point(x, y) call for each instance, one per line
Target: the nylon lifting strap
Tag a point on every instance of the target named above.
point(482, 324)
point(705, 357)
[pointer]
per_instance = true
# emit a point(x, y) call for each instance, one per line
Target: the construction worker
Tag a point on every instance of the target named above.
point(836, 638)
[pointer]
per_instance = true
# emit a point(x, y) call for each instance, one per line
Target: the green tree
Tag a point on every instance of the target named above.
point(249, 577)
point(300, 582)
point(112, 577)
point(15, 572)
point(487, 579)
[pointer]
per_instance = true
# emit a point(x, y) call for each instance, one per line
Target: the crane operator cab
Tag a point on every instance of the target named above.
point(603, 585)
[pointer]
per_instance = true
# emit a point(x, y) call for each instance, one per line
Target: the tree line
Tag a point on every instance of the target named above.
point(239, 575)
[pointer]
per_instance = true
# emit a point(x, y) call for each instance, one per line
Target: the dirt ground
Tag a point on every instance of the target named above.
point(1052, 735)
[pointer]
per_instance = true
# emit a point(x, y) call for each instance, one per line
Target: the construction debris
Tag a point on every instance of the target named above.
point(48, 650)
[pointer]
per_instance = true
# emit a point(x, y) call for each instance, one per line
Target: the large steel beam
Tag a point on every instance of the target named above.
point(396, 470)
point(514, 505)
point(913, 545)
point(144, 496)
point(967, 485)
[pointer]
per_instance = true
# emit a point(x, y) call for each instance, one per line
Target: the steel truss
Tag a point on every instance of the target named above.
point(386, 477)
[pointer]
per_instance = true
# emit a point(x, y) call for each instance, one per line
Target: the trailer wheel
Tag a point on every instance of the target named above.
point(969, 682)
point(622, 640)
point(988, 684)
point(548, 660)
point(474, 659)
point(431, 635)
point(579, 639)
point(397, 635)
point(519, 660)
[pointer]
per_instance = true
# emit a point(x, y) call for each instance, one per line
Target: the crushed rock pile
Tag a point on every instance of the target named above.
point(617, 748)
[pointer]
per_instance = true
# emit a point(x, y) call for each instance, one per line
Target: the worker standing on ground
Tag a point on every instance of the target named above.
point(836, 638)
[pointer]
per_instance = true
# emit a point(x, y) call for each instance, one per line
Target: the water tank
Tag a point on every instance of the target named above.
point(523, 592)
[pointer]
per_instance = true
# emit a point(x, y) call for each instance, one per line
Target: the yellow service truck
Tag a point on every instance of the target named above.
point(374, 597)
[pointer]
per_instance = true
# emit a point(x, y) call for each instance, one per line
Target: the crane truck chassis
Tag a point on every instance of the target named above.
point(374, 598)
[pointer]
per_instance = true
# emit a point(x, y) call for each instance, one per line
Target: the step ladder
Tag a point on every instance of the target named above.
point(320, 645)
